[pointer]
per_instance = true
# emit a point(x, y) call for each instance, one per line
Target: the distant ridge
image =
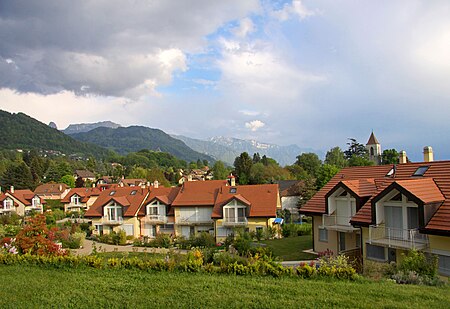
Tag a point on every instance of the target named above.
point(20, 131)
point(134, 138)
point(227, 149)
point(86, 127)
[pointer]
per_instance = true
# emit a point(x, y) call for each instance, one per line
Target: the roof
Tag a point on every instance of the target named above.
point(162, 194)
point(261, 199)
point(372, 140)
point(84, 174)
point(133, 182)
point(51, 188)
point(431, 188)
point(198, 193)
point(84, 193)
point(24, 196)
point(290, 187)
point(131, 198)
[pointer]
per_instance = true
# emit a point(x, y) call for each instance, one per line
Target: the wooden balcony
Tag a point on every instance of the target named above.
point(397, 238)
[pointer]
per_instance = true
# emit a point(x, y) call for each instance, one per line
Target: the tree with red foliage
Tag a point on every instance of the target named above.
point(37, 239)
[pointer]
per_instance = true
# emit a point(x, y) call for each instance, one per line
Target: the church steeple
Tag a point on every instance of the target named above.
point(374, 149)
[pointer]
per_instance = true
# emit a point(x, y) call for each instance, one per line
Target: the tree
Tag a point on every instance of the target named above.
point(256, 158)
point(68, 180)
point(326, 172)
point(359, 161)
point(79, 182)
point(335, 156)
point(390, 156)
point(138, 173)
point(157, 174)
point(355, 149)
point(258, 174)
point(310, 162)
point(307, 191)
point(17, 174)
point(200, 163)
point(243, 165)
point(219, 171)
point(297, 171)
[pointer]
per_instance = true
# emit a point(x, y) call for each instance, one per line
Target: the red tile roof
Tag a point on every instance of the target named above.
point(131, 198)
point(51, 188)
point(163, 194)
point(262, 199)
point(198, 193)
point(84, 193)
point(24, 196)
point(433, 187)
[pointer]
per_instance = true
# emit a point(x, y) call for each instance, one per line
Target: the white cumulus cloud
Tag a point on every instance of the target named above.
point(254, 125)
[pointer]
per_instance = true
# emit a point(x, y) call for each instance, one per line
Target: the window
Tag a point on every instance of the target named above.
point(233, 190)
point(112, 193)
point(36, 201)
point(420, 171)
point(8, 204)
point(341, 241)
point(152, 210)
point(375, 252)
point(234, 214)
point(113, 212)
point(323, 235)
point(133, 192)
point(75, 200)
point(444, 265)
point(358, 240)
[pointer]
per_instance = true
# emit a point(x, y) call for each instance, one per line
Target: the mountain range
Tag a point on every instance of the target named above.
point(86, 127)
point(227, 149)
point(134, 138)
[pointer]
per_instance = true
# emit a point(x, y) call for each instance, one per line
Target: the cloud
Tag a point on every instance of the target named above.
point(254, 125)
point(296, 8)
point(110, 48)
point(249, 113)
point(245, 28)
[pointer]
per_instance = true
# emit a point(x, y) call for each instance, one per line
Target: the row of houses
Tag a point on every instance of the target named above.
point(383, 211)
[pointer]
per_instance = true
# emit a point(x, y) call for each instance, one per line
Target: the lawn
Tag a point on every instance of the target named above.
point(291, 248)
point(32, 286)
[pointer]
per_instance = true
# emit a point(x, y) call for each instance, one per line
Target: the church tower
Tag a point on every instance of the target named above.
point(374, 149)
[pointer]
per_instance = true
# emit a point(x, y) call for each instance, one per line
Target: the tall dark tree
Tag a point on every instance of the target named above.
point(256, 158)
point(265, 160)
point(242, 166)
point(79, 182)
point(18, 174)
point(355, 148)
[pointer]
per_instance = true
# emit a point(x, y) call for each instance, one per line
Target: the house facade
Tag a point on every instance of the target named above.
point(52, 191)
point(384, 211)
point(22, 202)
point(80, 199)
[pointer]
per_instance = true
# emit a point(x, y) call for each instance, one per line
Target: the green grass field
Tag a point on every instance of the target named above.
point(291, 248)
point(31, 287)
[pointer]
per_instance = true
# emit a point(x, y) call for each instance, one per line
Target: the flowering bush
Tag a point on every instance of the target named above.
point(8, 246)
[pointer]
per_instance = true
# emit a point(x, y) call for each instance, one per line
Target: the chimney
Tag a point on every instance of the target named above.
point(156, 184)
point(148, 184)
point(60, 188)
point(428, 154)
point(232, 180)
point(189, 177)
point(402, 157)
point(12, 189)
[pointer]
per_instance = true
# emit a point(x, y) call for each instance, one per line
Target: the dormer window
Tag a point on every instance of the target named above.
point(75, 200)
point(7, 204)
point(420, 171)
point(36, 201)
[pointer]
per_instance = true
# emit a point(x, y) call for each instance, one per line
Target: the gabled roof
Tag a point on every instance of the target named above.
point(162, 194)
point(84, 174)
point(361, 187)
point(372, 140)
point(198, 193)
point(51, 188)
point(261, 199)
point(431, 188)
point(84, 193)
point(24, 196)
point(131, 198)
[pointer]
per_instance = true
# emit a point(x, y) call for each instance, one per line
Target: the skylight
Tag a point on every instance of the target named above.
point(133, 192)
point(112, 193)
point(420, 171)
point(233, 190)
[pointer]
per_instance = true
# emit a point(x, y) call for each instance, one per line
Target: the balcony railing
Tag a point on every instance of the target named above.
point(237, 221)
point(192, 220)
point(112, 221)
point(338, 223)
point(3, 210)
point(155, 219)
point(71, 205)
point(397, 238)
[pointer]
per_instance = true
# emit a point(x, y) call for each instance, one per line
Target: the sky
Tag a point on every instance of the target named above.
point(311, 73)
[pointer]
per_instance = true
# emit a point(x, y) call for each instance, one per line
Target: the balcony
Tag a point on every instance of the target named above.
point(155, 219)
point(72, 206)
point(6, 210)
point(112, 221)
point(397, 238)
point(237, 221)
point(193, 220)
point(337, 223)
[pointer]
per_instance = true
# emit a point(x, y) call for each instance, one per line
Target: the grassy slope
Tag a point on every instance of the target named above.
point(83, 288)
point(290, 248)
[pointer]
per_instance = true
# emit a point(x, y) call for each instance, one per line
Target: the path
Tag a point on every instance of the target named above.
point(88, 246)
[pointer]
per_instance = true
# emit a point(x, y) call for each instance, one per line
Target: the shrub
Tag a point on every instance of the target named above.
point(417, 262)
point(11, 219)
point(203, 240)
point(119, 238)
point(336, 267)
